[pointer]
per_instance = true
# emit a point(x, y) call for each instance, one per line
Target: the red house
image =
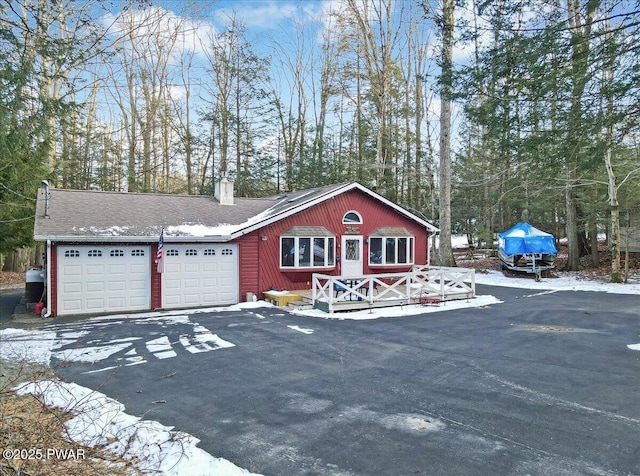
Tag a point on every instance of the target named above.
point(102, 247)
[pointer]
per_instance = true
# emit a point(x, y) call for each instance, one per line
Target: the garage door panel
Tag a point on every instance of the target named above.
point(117, 303)
point(210, 297)
point(95, 304)
point(118, 285)
point(172, 301)
point(171, 267)
point(72, 270)
point(227, 267)
point(171, 284)
point(138, 268)
point(137, 285)
point(194, 273)
point(191, 267)
point(138, 301)
point(94, 279)
point(226, 296)
point(72, 288)
point(74, 304)
point(95, 269)
point(95, 286)
point(192, 299)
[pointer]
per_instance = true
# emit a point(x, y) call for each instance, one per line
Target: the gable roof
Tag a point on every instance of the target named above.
point(78, 215)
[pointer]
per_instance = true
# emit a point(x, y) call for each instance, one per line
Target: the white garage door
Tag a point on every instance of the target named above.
point(199, 275)
point(103, 279)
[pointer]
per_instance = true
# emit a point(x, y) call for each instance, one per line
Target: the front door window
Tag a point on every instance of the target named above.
point(351, 255)
point(352, 252)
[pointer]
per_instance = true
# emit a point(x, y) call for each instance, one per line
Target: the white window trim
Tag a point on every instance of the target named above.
point(345, 222)
point(296, 245)
point(411, 244)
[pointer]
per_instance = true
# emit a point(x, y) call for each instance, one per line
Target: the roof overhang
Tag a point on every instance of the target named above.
point(326, 196)
point(134, 239)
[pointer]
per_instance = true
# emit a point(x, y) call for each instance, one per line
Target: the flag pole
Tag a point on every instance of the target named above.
point(160, 253)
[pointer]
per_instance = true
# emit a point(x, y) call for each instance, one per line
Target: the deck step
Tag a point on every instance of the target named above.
point(303, 305)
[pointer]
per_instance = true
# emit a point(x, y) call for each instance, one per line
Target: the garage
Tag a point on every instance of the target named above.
point(93, 279)
point(199, 275)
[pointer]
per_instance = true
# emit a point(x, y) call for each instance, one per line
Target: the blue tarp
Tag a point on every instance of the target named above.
point(524, 238)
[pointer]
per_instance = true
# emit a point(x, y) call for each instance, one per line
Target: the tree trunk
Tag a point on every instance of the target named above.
point(580, 37)
point(445, 254)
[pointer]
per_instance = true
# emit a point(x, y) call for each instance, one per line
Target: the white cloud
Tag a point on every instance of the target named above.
point(265, 15)
point(156, 25)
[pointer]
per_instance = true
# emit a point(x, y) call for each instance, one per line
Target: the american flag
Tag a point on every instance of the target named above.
point(160, 253)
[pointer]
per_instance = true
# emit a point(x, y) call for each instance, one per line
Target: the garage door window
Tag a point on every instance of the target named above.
point(72, 254)
point(209, 252)
point(191, 253)
point(137, 252)
point(94, 253)
point(116, 253)
point(227, 252)
point(173, 252)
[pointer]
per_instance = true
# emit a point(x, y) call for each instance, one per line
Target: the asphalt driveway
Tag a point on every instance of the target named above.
point(541, 384)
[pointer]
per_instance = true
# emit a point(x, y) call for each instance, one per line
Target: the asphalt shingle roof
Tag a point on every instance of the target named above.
point(92, 215)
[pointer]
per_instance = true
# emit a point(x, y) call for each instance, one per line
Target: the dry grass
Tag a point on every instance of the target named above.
point(27, 424)
point(8, 278)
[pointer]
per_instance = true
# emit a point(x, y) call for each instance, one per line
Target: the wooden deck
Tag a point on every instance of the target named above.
point(306, 302)
point(422, 285)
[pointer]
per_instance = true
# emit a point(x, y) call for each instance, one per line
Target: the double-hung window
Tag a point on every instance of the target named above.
point(307, 247)
point(391, 247)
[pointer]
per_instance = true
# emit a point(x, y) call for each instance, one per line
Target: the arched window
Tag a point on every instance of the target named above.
point(352, 218)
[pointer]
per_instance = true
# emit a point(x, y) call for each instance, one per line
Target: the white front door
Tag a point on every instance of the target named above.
point(352, 255)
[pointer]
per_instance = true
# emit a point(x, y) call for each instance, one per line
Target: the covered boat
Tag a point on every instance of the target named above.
point(525, 248)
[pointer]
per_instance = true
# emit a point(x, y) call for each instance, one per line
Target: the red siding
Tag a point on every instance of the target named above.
point(156, 280)
point(264, 270)
point(249, 264)
point(54, 279)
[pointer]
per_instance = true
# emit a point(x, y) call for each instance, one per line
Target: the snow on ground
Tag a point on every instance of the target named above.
point(401, 311)
point(61, 341)
point(565, 282)
point(159, 449)
point(100, 420)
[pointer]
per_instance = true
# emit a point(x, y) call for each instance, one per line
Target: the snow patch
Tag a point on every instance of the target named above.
point(401, 311)
point(20, 345)
point(300, 329)
point(562, 283)
point(90, 354)
point(100, 420)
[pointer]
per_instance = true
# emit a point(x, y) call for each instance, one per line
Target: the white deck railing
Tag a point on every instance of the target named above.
point(421, 282)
